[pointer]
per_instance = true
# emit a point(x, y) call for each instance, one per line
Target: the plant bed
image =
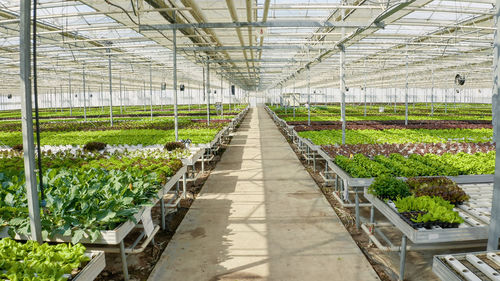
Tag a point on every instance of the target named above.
point(121, 184)
point(25, 261)
point(407, 149)
point(116, 235)
point(301, 126)
point(465, 231)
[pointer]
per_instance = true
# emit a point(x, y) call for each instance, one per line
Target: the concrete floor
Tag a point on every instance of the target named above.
point(260, 216)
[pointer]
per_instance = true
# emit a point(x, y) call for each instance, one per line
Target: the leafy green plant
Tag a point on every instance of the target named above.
point(85, 193)
point(389, 187)
point(31, 261)
point(430, 209)
point(94, 146)
point(170, 146)
point(416, 165)
point(438, 186)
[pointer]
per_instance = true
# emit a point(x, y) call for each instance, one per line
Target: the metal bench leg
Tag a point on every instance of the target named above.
point(402, 259)
point(356, 198)
point(372, 214)
point(162, 206)
point(124, 261)
point(184, 186)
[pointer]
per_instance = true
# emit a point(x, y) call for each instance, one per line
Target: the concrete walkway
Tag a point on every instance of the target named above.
point(260, 216)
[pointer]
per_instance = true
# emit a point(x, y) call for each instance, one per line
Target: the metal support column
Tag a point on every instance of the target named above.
point(70, 96)
point(342, 79)
point(27, 120)
point(494, 229)
point(176, 117)
point(222, 98)
point(402, 258)
point(406, 89)
point(110, 88)
point(364, 87)
point(121, 95)
point(84, 96)
point(432, 91)
point(308, 96)
point(208, 92)
point(151, 89)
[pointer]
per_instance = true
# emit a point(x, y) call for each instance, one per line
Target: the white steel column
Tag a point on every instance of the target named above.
point(432, 90)
point(151, 89)
point(121, 95)
point(364, 87)
point(494, 229)
point(342, 80)
point(406, 89)
point(308, 96)
point(27, 121)
point(176, 118)
point(84, 99)
point(70, 96)
point(110, 88)
point(208, 92)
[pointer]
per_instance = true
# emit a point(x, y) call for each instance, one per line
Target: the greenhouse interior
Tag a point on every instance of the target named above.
point(239, 140)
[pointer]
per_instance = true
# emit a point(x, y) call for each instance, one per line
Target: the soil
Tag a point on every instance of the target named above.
point(141, 265)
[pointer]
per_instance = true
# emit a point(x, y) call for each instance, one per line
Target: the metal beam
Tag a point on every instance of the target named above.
point(293, 24)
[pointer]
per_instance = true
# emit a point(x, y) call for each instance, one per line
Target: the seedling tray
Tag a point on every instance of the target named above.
point(467, 266)
point(471, 229)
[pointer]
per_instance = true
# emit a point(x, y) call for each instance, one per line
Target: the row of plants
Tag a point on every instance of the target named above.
point(115, 137)
point(447, 164)
point(85, 193)
point(385, 117)
point(407, 149)
point(160, 124)
point(476, 109)
point(125, 111)
point(32, 261)
point(301, 126)
point(326, 137)
point(422, 202)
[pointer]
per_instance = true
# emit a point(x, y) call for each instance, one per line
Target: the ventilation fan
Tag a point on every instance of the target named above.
point(9, 96)
point(90, 95)
point(459, 80)
point(347, 89)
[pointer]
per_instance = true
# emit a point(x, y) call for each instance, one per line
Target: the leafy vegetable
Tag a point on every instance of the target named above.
point(388, 187)
point(438, 186)
point(31, 261)
point(431, 209)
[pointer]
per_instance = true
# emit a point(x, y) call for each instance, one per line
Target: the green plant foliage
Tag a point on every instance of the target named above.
point(389, 187)
point(85, 193)
point(433, 208)
point(31, 261)
point(325, 137)
point(438, 186)
point(114, 137)
point(417, 112)
point(448, 164)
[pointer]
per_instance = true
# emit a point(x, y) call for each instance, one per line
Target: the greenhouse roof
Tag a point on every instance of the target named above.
point(256, 45)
